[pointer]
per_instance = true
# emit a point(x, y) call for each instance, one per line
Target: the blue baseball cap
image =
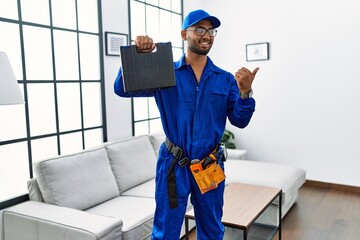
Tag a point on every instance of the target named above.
point(198, 15)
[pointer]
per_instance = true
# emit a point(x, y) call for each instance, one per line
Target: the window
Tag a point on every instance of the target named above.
point(161, 20)
point(58, 63)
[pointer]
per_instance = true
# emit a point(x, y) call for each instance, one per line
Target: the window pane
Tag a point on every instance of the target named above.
point(88, 15)
point(165, 26)
point(141, 109)
point(153, 2)
point(91, 104)
point(70, 143)
point(14, 170)
point(64, 13)
point(138, 22)
point(35, 11)
point(11, 45)
point(41, 102)
point(93, 138)
point(176, 39)
point(176, 6)
point(152, 19)
point(142, 128)
point(165, 4)
point(155, 126)
point(89, 57)
point(69, 106)
point(177, 53)
point(153, 109)
point(38, 55)
point(12, 122)
point(66, 55)
point(44, 148)
point(8, 9)
point(162, 26)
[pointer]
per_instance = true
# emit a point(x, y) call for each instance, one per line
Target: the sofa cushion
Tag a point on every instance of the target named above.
point(34, 190)
point(136, 213)
point(132, 160)
point(156, 140)
point(78, 181)
point(147, 190)
point(288, 178)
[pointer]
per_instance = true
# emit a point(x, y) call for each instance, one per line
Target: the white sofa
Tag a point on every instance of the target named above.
point(107, 192)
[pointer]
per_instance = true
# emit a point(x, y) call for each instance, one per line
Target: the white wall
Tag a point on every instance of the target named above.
point(307, 94)
point(118, 110)
point(307, 110)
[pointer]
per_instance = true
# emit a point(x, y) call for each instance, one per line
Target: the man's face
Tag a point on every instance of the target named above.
point(200, 45)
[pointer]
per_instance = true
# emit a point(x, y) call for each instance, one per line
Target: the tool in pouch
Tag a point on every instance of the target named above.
point(207, 172)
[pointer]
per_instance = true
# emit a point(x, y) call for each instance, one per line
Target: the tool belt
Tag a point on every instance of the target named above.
point(178, 154)
point(207, 178)
point(207, 172)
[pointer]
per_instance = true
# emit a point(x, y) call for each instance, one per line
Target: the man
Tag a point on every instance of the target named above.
point(193, 115)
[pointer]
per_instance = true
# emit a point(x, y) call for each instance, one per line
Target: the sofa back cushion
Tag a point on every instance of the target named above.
point(133, 161)
point(156, 140)
point(78, 181)
point(34, 190)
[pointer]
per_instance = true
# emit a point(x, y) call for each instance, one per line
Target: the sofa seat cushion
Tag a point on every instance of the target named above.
point(286, 177)
point(132, 160)
point(136, 213)
point(79, 181)
point(146, 189)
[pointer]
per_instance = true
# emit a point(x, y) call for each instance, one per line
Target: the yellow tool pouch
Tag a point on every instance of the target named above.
point(209, 178)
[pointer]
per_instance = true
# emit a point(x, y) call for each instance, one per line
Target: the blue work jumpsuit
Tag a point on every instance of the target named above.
point(193, 116)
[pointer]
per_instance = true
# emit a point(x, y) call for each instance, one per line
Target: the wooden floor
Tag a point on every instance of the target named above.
point(321, 214)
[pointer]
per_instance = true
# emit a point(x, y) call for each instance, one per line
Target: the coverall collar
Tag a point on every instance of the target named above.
point(209, 64)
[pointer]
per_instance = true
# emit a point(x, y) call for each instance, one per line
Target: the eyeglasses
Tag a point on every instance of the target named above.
point(200, 31)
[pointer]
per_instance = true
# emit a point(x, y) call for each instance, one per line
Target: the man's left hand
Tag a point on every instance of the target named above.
point(244, 78)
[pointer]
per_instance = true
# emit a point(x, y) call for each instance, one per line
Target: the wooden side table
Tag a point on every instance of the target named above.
point(243, 204)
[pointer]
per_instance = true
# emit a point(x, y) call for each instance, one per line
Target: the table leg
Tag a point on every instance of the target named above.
point(245, 234)
point(186, 228)
point(280, 201)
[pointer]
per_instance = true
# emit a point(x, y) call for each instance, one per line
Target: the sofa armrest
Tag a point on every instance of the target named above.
point(237, 154)
point(34, 220)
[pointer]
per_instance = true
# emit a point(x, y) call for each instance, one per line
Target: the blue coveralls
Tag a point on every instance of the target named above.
point(193, 117)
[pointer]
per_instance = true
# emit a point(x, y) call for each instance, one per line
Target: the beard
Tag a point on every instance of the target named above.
point(199, 51)
point(195, 49)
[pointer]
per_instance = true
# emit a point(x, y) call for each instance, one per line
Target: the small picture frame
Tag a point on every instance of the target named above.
point(113, 41)
point(257, 51)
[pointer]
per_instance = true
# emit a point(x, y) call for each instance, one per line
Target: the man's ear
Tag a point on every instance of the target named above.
point(183, 35)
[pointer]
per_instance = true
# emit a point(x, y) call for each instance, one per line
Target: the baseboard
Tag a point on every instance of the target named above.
point(335, 186)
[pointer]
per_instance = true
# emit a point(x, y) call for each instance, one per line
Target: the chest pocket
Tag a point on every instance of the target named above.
point(218, 99)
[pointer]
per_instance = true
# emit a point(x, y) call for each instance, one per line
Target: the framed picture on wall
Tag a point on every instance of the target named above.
point(113, 41)
point(257, 51)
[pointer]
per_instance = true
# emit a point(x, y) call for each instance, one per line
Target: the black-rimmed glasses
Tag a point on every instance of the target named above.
point(200, 31)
